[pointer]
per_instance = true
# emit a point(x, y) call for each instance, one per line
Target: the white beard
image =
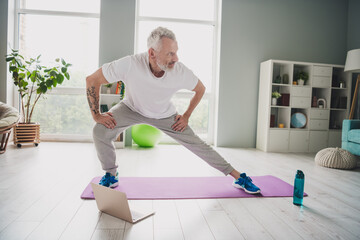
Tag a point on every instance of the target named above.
point(163, 67)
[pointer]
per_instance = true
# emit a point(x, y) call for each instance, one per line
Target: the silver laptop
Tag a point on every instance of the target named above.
point(115, 203)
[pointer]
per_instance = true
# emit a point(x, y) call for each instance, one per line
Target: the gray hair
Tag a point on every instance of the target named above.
point(156, 35)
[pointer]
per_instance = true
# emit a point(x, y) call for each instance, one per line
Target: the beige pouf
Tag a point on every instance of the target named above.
point(336, 158)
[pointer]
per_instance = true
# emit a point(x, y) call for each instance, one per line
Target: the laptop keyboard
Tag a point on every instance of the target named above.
point(136, 215)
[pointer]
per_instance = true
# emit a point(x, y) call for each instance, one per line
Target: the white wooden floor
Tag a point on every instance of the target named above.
point(40, 197)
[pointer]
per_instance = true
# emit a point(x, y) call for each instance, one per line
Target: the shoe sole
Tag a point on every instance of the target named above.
point(114, 185)
point(240, 187)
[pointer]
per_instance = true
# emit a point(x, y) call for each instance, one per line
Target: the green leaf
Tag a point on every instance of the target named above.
point(8, 59)
point(33, 76)
point(67, 75)
point(52, 73)
point(23, 83)
point(68, 65)
point(43, 87)
point(63, 61)
point(54, 82)
point(12, 68)
point(57, 60)
point(64, 69)
point(15, 75)
point(22, 75)
point(60, 78)
point(49, 82)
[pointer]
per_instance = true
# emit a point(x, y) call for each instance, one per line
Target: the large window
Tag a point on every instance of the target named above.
point(195, 24)
point(62, 29)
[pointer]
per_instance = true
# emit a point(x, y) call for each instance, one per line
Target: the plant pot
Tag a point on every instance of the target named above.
point(26, 133)
point(301, 82)
point(274, 101)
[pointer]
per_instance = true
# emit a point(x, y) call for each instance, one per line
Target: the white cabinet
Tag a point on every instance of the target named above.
point(307, 117)
point(299, 141)
point(282, 142)
point(318, 140)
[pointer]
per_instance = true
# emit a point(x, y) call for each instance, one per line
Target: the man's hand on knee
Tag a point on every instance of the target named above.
point(180, 124)
point(106, 119)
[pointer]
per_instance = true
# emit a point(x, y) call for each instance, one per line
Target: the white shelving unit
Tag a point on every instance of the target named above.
point(324, 100)
point(109, 98)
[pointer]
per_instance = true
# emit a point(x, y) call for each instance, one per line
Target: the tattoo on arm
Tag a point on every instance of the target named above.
point(92, 99)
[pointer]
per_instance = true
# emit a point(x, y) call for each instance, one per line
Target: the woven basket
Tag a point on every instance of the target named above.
point(336, 158)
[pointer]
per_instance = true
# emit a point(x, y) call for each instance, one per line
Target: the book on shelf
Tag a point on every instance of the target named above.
point(120, 89)
point(104, 108)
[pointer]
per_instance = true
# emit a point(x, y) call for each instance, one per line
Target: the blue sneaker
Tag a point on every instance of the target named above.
point(245, 183)
point(109, 181)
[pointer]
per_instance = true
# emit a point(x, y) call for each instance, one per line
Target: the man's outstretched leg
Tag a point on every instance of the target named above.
point(192, 142)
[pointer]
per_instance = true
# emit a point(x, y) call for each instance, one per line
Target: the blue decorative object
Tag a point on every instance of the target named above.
point(351, 136)
point(298, 120)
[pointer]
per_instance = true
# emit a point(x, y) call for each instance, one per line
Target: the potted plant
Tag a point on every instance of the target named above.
point(33, 81)
point(274, 97)
point(108, 88)
point(302, 77)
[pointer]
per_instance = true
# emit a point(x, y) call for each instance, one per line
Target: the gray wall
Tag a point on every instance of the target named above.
point(3, 48)
point(7, 35)
point(117, 29)
point(353, 35)
point(255, 31)
point(353, 42)
point(117, 34)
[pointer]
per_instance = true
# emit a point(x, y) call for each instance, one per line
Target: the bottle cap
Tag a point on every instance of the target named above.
point(299, 174)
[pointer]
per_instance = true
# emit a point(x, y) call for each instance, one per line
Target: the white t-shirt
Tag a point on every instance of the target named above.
point(145, 93)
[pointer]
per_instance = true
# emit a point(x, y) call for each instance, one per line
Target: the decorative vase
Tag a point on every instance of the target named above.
point(274, 101)
point(301, 82)
point(108, 90)
point(285, 79)
point(26, 133)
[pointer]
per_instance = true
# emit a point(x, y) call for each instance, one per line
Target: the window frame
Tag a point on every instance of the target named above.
point(212, 96)
point(58, 90)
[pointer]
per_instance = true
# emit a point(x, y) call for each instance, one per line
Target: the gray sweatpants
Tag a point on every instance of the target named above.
point(125, 117)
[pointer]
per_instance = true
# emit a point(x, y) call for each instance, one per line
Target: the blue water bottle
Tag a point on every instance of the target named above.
point(298, 188)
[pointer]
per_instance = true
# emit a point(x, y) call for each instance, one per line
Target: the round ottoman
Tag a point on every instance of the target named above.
point(335, 158)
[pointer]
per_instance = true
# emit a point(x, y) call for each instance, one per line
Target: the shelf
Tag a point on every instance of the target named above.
point(338, 88)
point(277, 128)
point(281, 84)
point(321, 126)
point(278, 106)
point(320, 108)
point(338, 109)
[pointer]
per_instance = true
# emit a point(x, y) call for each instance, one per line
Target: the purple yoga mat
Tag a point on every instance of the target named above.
point(193, 187)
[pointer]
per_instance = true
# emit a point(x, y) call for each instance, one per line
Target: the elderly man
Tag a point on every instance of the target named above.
point(151, 79)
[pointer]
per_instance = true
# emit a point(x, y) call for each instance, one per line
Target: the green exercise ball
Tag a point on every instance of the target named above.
point(145, 135)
